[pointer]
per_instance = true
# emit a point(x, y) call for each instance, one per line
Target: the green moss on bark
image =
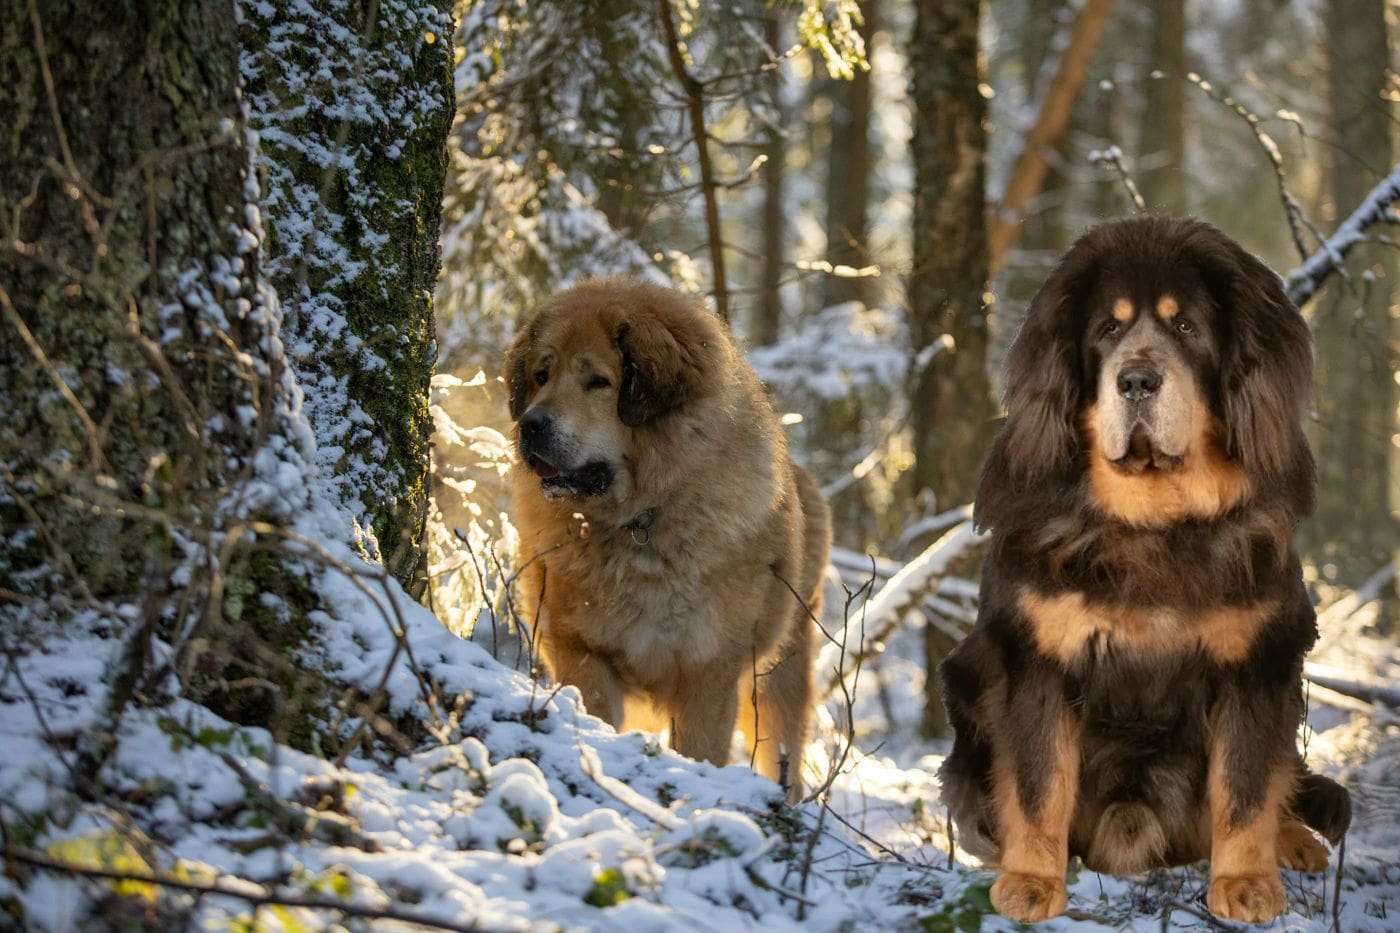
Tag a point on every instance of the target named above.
point(355, 167)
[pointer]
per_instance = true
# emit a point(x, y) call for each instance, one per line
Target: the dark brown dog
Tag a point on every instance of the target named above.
point(1131, 692)
point(673, 552)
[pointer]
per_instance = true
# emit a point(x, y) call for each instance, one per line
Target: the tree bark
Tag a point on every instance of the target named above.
point(155, 455)
point(1163, 140)
point(951, 396)
point(1028, 172)
point(1354, 530)
point(848, 177)
point(355, 168)
point(766, 319)
point(150, 412)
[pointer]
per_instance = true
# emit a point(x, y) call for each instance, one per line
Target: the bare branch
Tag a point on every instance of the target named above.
point(1028, 172)
point(1304, 281)
point(695, 96)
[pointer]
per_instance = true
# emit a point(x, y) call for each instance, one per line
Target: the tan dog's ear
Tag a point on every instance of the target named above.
point(515, 368)
point(661, 369)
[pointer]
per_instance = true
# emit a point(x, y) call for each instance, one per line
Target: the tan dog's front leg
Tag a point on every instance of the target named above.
point(571, 663)
point(704, 717)
point(1033, 819)
point(1244, 854)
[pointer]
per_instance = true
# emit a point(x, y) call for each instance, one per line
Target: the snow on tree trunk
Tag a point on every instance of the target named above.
point(151, 417)
point(158, 478)
point(352, 102)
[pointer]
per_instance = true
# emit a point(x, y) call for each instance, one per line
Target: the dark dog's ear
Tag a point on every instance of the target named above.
point(1043, 388)
point(515, 368)
point(662, 368)
point(1267, 368)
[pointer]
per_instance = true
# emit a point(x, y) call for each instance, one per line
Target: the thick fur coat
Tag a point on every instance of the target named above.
point(672, 552)
point(1131, 692)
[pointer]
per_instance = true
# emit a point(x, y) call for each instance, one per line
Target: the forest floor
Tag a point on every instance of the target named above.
point(536, 816)
point(520, 812)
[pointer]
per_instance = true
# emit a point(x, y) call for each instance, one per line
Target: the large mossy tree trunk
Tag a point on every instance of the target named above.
point(156, 467)
point(150, 415)
point(352, 101)
point(952, 397)
point(1354, 532)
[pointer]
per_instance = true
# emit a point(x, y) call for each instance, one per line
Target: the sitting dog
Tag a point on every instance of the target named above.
point(1131, 692)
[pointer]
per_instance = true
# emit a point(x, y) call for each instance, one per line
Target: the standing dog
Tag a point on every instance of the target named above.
point(672, 552)
point(1131, 692)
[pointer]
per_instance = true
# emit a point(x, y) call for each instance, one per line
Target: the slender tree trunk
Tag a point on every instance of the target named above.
point(767, 316)
point(1044, 236)
point(1354, 531)
point(1163, 140)
point(1028, 172)
point(848, 177)
point(951, 395)
point(709, 185)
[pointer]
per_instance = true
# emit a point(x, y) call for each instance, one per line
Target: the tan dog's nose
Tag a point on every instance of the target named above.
point(535, 422)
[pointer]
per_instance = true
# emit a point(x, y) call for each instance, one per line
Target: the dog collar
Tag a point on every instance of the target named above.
point(640, 526)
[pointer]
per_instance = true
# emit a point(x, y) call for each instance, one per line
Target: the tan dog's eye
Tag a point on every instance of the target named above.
point(597, 382)
point(1183, 326)
point(541, 377)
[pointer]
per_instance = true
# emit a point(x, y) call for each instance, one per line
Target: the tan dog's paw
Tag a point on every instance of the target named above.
point(1248, 899)
point(1300, 850)
point(1027, 898)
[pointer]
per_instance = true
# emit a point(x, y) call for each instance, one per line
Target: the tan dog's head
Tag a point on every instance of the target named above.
point(597, 365)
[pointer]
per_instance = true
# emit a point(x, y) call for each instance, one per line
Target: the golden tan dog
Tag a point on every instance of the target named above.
point(672, 552)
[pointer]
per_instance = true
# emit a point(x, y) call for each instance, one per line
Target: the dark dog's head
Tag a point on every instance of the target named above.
point(1160, 357)
point(598, 363)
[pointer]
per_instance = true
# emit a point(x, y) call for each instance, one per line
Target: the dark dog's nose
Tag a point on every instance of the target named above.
point(1138, 382)
point(534, 423)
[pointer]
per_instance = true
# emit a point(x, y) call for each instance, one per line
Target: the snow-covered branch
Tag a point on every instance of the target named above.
point(1304, 282)
point(886, 609)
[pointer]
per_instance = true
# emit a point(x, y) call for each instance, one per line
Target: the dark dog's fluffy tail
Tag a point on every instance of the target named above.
point(1324, 805)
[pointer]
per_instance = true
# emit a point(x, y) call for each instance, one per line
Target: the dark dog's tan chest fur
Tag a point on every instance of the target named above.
point(1066, 625)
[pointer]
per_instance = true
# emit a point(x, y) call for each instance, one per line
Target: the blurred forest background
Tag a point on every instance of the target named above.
point(871, 199)
point(258, 265)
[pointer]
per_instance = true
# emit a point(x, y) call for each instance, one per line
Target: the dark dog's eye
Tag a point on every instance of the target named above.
point(541, 377)
point(1183, 326)
point(1112, 328)
point(597, 382)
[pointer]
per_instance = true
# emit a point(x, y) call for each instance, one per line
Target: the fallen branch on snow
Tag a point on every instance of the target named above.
point(1370, 693)
point(250, 893)
point(884, 612)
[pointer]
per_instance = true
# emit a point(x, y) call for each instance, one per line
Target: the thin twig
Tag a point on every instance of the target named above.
point(20, 856)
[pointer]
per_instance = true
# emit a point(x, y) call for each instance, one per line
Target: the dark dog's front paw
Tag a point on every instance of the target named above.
point(1027, 898)
point(1299, 849)
point(1248, 898)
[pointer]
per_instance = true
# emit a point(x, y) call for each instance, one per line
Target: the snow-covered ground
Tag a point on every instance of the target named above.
point(515, 810)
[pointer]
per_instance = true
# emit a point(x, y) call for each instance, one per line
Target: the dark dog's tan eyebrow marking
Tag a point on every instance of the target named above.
point(1123, 310)
point(1167, 308)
